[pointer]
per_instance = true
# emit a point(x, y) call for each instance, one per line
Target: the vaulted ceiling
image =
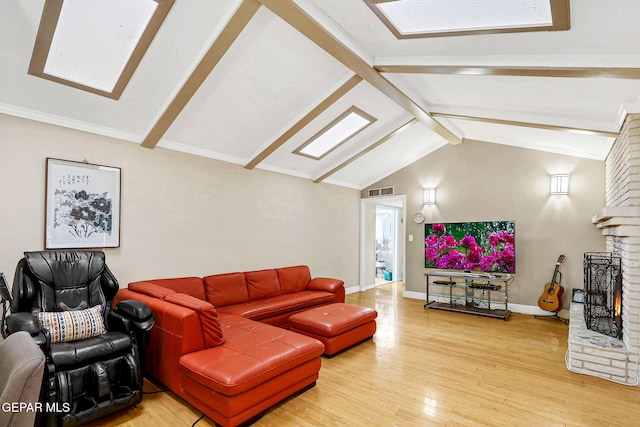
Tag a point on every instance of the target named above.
point(250, 81)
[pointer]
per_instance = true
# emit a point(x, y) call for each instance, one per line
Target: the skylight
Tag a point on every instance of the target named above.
point(95, 44)
point(335, 133)
point(428, 18)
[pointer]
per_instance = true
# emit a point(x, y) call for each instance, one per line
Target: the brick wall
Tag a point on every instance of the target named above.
point(589, 352)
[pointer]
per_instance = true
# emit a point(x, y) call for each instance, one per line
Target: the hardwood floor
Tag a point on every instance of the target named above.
point(431, 367)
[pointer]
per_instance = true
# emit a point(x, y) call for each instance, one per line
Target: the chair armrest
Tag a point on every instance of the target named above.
point(140, 318)
point(137, 312)
point(325, 284)
point(117, 322)
point(27, 322)
point(23, 322)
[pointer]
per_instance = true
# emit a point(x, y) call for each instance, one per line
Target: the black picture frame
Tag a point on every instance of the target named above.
point(82, 206)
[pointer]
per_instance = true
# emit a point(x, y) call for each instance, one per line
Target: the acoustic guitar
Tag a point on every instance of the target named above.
point(550, 298)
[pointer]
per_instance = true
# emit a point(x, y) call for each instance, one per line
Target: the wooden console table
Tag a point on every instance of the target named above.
point(472, 293)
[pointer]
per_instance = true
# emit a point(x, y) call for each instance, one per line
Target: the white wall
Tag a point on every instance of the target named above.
point(478, 181)
point(181, 214)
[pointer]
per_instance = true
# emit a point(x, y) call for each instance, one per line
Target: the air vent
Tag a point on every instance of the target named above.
point(386, 191)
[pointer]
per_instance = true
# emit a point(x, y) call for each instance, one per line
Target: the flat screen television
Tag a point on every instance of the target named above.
point(487, 246)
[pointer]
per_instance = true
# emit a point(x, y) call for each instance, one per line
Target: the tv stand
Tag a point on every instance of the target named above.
point(469, 292)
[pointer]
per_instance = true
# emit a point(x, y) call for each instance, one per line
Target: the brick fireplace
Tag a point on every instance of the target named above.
point(592, 353)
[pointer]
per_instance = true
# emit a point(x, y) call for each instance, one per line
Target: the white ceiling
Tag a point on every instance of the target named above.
point(273, 77)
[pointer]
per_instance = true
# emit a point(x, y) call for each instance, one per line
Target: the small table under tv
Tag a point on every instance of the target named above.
point(483, 294)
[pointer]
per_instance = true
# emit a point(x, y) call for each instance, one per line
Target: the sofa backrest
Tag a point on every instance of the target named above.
point(151, 289)
point(187, 285)
point(237, 288)
point(226, 289)
point(294, 279)
point(262, 284)
point(231, 288)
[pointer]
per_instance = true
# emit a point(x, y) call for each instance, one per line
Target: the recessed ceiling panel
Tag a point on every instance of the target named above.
point(572, 144)
point(583, 103)
point(269, 76)
point(399, 151)
point(366, 98)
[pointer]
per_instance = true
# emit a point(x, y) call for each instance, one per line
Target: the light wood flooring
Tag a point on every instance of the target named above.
point(431, 367)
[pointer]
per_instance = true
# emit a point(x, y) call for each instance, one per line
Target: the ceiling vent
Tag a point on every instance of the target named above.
point(386, 191)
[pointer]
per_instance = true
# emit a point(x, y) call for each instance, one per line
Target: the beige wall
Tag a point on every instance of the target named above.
point(478, 181)
point(181, 214)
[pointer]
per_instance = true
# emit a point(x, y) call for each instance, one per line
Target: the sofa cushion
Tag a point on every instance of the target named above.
point(262, 284)
point(211, 329)
point(226, 289)
point(270, 307)
point(253, 353)
point(151, 290)
point(187, 285)
point(293, 279)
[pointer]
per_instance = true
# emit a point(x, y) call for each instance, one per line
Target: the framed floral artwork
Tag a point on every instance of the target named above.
point(82, 205)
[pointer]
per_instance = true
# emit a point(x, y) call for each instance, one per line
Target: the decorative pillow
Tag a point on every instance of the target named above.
point(66, 326)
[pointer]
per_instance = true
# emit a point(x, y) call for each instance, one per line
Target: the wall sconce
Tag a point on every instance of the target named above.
point(559, 184)
point(430, 196)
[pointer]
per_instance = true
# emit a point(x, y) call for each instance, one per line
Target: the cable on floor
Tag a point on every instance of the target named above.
point(196, 421)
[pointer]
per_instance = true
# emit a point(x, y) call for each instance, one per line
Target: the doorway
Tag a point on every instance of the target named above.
point(382, 243)
point(386, 243)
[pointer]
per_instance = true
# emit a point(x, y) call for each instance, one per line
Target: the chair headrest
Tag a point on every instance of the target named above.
point(65, 268)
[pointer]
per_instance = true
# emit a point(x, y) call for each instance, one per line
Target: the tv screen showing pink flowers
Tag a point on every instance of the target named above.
point(487, 246)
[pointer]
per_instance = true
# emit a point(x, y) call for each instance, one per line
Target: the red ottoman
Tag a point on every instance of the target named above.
point(337, 326)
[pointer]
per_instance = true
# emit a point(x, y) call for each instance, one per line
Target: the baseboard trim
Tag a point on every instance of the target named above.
point(352, 290)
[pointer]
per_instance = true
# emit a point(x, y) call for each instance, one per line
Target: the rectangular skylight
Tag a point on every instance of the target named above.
point(95, 38)
point(90, 43)
point(335, 133)
point(407, 18)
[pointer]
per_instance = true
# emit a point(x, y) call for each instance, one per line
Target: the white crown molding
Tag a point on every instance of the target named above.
point(189, 149)
point(52, 119)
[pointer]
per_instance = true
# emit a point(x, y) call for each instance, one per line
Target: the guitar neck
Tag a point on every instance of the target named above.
point(556, 271)
point(555, 274)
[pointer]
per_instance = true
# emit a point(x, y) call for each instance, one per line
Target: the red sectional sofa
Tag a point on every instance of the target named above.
point(221, 342)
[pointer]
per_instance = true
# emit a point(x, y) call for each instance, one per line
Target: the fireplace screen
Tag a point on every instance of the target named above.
point(603, 293)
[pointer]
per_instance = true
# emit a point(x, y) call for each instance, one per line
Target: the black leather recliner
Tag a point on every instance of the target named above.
point(84, 379)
